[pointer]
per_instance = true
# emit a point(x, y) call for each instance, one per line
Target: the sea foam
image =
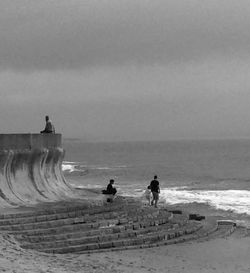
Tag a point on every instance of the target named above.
point(235, 200)
point(69, 166)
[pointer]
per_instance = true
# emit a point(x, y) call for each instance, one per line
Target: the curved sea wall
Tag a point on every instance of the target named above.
point(30, 169)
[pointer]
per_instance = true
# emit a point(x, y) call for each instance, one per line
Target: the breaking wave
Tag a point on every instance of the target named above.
point(237, 201)
point(70, 167)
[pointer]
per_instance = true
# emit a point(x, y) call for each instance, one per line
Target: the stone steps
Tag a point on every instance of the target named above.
point(68, 206)
point(114, 234)
point(136, 241)
point(51, 217)
point(31, 212)
point(114, 226)
point(222, 230)
point(70, 212)
point(114, 230)
point(196, 231)
point(90, 232)
point(73, 224)
point(213, 230)
point(126, 230)
point(95, 229)
point(71, 218)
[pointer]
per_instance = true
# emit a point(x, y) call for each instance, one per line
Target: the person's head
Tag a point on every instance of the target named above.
point(46, 118)
point(149, 187)
point(111, 181)
point(155, 177)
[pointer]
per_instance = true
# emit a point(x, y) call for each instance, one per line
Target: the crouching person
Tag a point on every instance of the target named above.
point(110, 191)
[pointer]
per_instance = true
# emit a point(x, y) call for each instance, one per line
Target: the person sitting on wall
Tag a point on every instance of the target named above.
point(49, 127)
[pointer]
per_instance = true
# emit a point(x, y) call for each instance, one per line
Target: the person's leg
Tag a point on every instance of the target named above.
point(156, 199)
point(153, 198)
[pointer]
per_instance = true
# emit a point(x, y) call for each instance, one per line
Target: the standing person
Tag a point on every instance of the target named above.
point(155, 189)
point(49, 127)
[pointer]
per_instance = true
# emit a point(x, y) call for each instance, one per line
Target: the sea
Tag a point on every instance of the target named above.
point(212, 173)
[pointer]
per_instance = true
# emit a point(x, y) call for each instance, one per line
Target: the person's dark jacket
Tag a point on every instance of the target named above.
point(110, 190)
point(154, 186)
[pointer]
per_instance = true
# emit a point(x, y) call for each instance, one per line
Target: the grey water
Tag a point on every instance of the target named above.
point(215, 172)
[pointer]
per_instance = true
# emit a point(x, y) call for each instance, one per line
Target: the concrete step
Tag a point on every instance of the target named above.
point(143, 240)
point(72, 225)
point(107, 237)
point(81, 239)
point(174, 236)
point(95, 229)
point(83, 215)
point(65, 207)
point(99, 234)
point(129, 214)
point(221, 231)
point(36, 216)
point(121, 225)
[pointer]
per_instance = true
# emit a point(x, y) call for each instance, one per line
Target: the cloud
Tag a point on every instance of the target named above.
point(60, 34)
point(131, 103)
point(127, 69)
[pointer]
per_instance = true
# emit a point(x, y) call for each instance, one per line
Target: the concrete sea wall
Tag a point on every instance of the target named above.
point(30, 169)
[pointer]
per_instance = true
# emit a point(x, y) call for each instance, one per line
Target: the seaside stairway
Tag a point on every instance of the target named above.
point(124, 224)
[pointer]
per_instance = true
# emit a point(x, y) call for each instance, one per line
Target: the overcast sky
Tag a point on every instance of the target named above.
point(109, 70)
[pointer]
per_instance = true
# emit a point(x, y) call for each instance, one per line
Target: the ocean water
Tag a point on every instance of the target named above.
point(211, 172)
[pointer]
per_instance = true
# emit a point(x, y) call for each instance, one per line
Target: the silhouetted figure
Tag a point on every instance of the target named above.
point(49, 127)
point(111, 191)
point(155, 189)
point(110, 188)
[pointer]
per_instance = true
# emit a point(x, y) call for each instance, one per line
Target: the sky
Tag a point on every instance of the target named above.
point(108, 70)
